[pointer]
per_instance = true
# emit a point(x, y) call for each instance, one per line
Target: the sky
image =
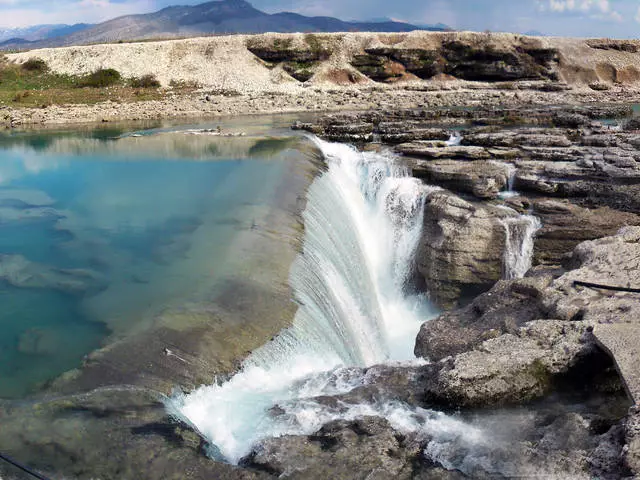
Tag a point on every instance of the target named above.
point(583, 18)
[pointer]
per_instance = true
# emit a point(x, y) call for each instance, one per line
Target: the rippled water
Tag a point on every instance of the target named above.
point(100, 231)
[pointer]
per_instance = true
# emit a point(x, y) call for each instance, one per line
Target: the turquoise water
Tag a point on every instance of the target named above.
point(98, 234)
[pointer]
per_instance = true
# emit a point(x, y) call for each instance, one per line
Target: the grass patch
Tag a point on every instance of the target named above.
point(40, 87)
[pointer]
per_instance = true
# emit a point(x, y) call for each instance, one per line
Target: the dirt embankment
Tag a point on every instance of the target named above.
point(272, 73)
point(284, 61)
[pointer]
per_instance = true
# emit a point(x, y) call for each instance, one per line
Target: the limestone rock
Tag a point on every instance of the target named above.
point(70, 437)
point(504, 309)
point(483, 179)
point(461, 250)
point(515, 368)
point(367, 448)
point(565, 225)
point(422, 150)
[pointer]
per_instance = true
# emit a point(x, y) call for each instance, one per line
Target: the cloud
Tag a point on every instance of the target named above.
point(579, 5)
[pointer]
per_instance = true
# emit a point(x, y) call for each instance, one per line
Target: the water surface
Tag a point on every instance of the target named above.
point(101, 231)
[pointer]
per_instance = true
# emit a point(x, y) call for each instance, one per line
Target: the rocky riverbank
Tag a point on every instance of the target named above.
point(537, 372)
point(573, 167)
point(275, 73)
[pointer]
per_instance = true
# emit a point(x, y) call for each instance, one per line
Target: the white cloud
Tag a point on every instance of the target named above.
point(601, 6)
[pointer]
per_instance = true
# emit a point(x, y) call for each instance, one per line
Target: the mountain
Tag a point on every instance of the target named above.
point(40, 32)
point(217, 17)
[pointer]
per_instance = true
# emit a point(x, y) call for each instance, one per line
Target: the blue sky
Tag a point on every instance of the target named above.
point(614, 18)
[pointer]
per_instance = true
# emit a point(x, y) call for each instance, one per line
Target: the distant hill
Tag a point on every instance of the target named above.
point(40, 32)
point(217, 17)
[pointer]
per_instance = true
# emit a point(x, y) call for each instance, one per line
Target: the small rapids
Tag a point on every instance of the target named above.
point(363, 222)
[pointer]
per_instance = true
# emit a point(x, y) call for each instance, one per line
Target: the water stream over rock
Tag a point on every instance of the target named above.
point(519, 239)
point(362, 225)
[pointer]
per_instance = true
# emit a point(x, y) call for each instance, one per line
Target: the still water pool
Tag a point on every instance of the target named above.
point(100, 231)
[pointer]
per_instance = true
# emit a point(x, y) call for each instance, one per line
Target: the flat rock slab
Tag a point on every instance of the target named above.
point(622, 342)
point(426, 150)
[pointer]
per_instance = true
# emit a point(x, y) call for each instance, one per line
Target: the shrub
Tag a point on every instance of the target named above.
point(20, 96)
point(145, 81)
point(186, 84)
point(35, 65)
point(104, 77)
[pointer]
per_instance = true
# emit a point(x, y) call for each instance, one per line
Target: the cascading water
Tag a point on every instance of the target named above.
point(519, 241)
point(511, 178)
point(454, 140)
point(362, 225)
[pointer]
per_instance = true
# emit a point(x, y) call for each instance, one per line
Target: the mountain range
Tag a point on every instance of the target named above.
point(216, 17)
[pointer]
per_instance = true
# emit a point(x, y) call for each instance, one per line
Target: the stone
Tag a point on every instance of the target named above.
point(482, 179)
point(72, 436)
point(461, 250)
point(420, 149)
point(565, 225)
point(504, 309)
point(367, 448)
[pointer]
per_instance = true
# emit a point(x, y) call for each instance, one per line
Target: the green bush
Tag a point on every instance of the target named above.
point(35, 65)
point(145, 81)
point(104, 77)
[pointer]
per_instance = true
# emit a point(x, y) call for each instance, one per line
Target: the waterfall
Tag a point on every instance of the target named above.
point(511, 178)
point(454, 140)
point(352, 282)
point(519, 241)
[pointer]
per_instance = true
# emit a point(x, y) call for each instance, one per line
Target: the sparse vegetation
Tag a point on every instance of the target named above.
point(101, 78)
point(145, 81)
point(184, 84)
point(319, 49)
point(35, 65)
point(282, 43)
point(39, 88)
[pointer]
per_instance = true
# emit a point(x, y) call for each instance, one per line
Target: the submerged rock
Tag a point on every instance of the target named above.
point(107, 433)
point(19, 272)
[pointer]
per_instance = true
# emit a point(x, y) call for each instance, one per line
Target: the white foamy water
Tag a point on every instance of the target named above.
point(519, 242)
point(511, 178)
point(362, 225)
point(454, 140)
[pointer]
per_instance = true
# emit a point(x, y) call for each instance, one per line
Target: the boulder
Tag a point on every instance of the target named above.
point(504, 309)
point(565, 225)
point(482, 179)
point(366, 448)
point(461, 250)
point(632, 440)
point(550, 323)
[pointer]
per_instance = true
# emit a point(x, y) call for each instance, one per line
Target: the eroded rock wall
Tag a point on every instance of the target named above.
point(282, 62)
